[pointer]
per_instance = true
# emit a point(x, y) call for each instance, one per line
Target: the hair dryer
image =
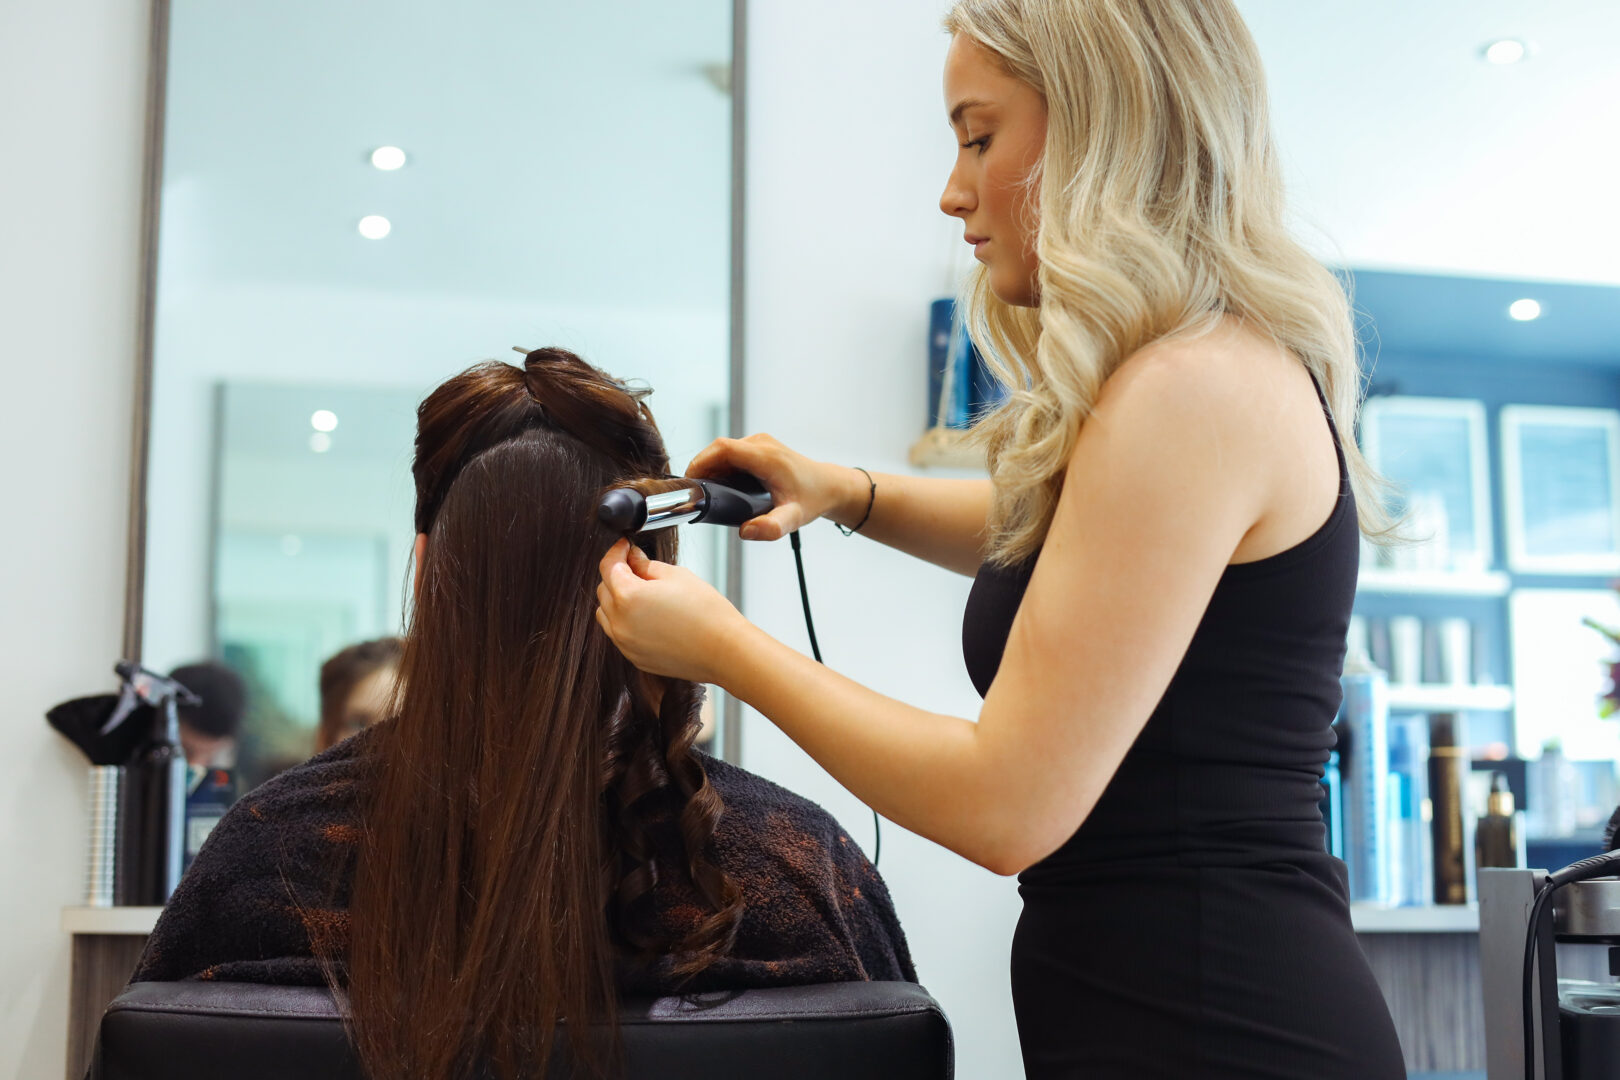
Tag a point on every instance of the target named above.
point(729, 500)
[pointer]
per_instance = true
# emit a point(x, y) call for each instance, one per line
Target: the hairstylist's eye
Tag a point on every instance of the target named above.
point(982, 143)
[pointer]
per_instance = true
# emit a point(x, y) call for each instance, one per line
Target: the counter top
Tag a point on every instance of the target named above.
point(136, 921)
point(1430, 919)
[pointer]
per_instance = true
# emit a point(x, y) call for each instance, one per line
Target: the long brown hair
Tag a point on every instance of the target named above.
point(506, 861)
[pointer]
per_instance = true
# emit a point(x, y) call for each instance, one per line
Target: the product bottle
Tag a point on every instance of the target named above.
point(1411, 876)
point(1553, 784)
point(1448, 767)
point(1364, 766)
point(1496, 841)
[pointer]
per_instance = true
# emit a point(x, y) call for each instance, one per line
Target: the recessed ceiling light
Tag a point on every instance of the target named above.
point(375, 227)
point(388, 158)
point(320, 442)
point(323, 420)
point(291, 546)
point(1506, 51)
point(1524, 310)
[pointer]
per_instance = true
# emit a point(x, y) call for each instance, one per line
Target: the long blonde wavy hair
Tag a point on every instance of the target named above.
point(1160, 209)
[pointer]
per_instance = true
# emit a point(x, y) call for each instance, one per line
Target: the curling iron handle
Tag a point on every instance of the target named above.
point(734, 499)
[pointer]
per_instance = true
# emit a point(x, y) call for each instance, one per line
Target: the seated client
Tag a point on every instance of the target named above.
point(531, 833)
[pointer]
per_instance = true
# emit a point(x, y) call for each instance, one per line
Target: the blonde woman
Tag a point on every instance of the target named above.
point(1165, 559)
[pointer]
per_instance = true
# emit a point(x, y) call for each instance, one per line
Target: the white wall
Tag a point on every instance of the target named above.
point(72, 88)
point(847, 152)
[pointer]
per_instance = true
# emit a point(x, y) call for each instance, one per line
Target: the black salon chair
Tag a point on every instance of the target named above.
point(244, 1031)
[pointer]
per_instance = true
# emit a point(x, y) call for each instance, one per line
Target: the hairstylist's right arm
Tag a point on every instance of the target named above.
point(940, 520)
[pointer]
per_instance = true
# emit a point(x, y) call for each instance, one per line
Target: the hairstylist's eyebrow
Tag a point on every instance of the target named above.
point(964, 106)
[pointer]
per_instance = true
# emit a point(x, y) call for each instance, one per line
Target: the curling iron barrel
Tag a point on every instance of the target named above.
point(729, 500)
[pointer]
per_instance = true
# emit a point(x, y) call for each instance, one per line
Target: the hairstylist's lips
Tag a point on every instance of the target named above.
point(978, 243)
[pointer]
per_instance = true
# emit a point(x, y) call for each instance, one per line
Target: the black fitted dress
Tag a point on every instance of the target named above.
point(1194, 925)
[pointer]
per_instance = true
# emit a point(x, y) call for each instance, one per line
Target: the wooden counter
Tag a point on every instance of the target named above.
point(106, 944)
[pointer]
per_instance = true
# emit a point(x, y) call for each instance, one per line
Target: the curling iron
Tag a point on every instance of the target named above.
point(729, 500)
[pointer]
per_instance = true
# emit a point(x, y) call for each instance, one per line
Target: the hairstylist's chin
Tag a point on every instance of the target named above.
point(1013, 285)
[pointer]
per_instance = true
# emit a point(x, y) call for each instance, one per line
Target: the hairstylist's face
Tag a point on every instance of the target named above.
point(1000, 126)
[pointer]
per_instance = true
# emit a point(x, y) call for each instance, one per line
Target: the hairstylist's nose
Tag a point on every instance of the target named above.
point(956, 200)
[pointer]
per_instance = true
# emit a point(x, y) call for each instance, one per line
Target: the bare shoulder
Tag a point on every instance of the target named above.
point(1209, 403)
point(1245, 405)
point(1231, 378)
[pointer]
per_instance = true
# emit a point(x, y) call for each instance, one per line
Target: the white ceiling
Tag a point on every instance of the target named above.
point(1406, 150)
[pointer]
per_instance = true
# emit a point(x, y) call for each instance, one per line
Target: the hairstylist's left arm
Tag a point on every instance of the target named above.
point(1168, 474)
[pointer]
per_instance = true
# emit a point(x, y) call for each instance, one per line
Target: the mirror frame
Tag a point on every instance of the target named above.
point(151, 211)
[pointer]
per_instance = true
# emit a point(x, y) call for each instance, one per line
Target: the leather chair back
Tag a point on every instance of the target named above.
point(245, 1031)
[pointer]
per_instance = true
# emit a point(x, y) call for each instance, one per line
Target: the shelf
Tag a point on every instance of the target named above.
point(1429, 919)
point(110, 920)
point(1434, 583)
point(1444, 698)
point(946, 448)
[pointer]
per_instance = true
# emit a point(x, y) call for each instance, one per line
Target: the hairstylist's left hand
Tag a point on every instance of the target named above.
point(665, 619)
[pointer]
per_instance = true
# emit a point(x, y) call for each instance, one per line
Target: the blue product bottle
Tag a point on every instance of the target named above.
point(985, 392)
point(1364, 763)
point(941, 313)
point(1410, 872)
point(961, 387)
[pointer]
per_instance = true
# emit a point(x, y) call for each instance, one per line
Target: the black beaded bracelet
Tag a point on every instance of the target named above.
point(871, 497)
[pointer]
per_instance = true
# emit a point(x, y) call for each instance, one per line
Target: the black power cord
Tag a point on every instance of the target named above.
point(815, 650)
point(1531, 936)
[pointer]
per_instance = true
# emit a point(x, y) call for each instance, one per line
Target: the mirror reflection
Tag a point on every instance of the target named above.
point(357, 203)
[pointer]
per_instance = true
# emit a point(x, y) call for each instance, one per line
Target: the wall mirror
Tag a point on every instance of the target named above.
point(358, 201)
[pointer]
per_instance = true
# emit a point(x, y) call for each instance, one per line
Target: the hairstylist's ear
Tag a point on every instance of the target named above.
point(419, 554)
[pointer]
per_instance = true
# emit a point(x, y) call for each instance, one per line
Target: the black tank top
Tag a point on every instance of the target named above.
point(1228, 770)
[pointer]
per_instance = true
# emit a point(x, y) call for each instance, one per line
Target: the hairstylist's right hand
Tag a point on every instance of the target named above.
point(665, 619)
point(802, 489)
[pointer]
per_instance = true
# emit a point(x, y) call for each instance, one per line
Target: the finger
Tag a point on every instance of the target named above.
point(724, 456)
point(774, 525)
point(615, 555)
point(711, 460)
point(602, 621)
point(638, 560)
point(604, 595)
point(621, 578)
point(657, 571)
